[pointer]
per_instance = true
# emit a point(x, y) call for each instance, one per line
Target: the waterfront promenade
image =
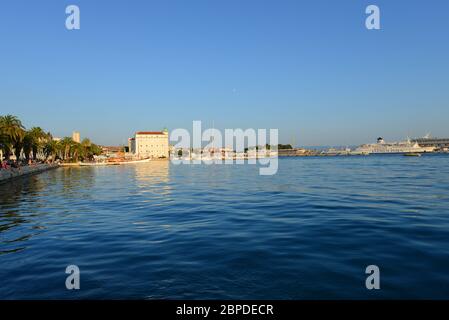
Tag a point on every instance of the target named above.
point(11, 173)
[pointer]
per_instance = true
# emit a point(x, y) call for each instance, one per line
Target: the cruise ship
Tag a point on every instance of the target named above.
point(382, 147)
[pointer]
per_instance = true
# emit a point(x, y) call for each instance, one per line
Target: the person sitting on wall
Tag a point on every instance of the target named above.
point(5, 165)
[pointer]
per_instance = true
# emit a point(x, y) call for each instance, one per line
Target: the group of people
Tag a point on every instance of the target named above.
point(8, 164)
point(5, 165)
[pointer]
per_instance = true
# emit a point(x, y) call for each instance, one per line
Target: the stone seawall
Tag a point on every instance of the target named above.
point(11, 173)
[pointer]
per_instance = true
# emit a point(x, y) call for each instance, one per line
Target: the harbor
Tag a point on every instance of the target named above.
point(223, 159)
point(407, 147)
point(206, 232)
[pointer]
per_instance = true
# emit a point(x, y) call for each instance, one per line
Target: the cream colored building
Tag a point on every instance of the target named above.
point(76, 136)
point(150, 144)
point(131, 145)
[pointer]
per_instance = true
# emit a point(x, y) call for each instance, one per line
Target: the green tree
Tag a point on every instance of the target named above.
point(96, 150)
point(86, 143)
point(65, 145)
point(12, 133)
point(89, 149)
point(52, 148)
point(4, 145)
point(38, 140)
point(27, 145)
point(13, 137)
point(284, 146)
point(76, 151)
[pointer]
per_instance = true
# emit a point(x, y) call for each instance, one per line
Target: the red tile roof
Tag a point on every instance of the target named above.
point(149, 132)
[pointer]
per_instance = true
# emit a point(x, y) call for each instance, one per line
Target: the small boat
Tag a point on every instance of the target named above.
point(112, 163)
point(411, 154)
point(70, 164)
point(133, 161)
point(97, 164)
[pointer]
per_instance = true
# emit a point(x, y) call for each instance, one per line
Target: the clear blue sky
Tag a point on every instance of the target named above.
point(309, 68)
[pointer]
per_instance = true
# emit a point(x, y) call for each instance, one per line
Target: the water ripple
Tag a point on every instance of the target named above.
point(213, 231)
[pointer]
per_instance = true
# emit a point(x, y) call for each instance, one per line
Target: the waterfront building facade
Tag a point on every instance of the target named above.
point(150, 144)
point(132, 145)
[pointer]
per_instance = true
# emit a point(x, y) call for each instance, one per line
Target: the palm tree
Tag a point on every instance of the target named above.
point(35, 140)
point(51, 148)
point(77, 151)
point(4, 143)
point(27, 145)
point(89, 149)
point(66, 144)
point(12, 132)
point(93, 150)
point(86, 143)
point(11, 126)
point(38, 140)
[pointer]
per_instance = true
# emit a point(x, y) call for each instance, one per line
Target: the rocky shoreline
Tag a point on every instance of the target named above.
point(9, 174)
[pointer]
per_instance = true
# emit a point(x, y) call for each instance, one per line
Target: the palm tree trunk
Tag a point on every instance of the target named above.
point(7, 153)
point(17, 151)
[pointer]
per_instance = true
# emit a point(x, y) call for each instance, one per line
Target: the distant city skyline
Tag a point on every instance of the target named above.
point(309, 68)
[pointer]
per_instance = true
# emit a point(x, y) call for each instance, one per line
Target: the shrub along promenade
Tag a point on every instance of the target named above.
point(11, 173)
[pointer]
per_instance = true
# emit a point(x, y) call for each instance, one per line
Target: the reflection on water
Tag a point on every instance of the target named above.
point(73, 179)
point(68, 192)
point(153, 178)
point(12, 237)
point(24, 203)
point(156, 230)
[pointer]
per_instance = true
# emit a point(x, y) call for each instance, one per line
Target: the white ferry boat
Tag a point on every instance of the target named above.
point(382, 147)
point(112, 163)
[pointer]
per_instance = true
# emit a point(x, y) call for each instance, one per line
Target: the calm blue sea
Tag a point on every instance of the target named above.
point(157, 230)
